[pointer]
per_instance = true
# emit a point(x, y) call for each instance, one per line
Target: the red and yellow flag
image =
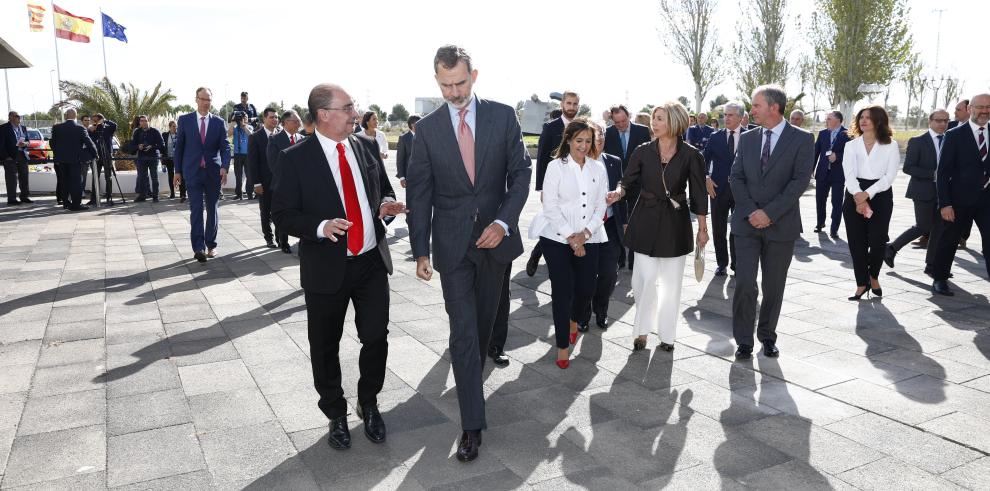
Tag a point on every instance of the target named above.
point(36, 14)
point(72, 27)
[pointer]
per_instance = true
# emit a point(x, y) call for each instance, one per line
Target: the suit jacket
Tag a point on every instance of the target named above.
point(952, 124)
point(961, 174)
point(402, 152)
point(307, 195)
point(553, 133)
point(777, 190)
point(103, 138)
point(825, 171)
point(151, 137)
point(444, 201)
point(613, 165)
point(71, 143)
point(718, 155)
point(278, 142)
point(698, 136)
point(920, 162)
point(8, 142)
point(257, 159)
point(190, 150)
point(638, 135)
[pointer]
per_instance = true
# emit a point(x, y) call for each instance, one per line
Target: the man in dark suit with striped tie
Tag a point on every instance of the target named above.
point(829, 178)
point(719, 154)
point(282, 140)
point(620, 140)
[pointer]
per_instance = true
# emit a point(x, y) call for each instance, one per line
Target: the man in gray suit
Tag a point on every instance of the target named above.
point(771, 171)
point(464, 154)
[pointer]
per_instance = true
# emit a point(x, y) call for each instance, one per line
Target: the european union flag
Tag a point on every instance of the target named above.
point(112, 29)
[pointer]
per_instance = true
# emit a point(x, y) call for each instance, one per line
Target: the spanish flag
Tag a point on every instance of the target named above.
point(36, 14)
point(72, 27)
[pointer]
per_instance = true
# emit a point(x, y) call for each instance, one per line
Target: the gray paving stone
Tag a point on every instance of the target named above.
point(89, 481)
point(150, 410)
point(232, 409)
point(246, 453)
point(962, 428)
point(193, 481)
point(54, 455)
point(797, 401)
point(881, 473)
point(75, 331)
point(153, 454)
point(297, 410)
point(542, 455)
point(331, 467)
point(793, 475)
point(63, 411)
point(17, 378)
point(884, 401)
point(144, 331)
point(91, 351)
point(436, 464)
point(63, 379)
point(215, 377)
point(143, 378)
point(202, 351)
point(631, 451)
point(972, 475)
point(812, 444)
point(19, 353)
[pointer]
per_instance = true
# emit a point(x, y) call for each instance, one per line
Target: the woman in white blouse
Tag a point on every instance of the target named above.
point(870, 165)
point(369, 126)
point(570, 229)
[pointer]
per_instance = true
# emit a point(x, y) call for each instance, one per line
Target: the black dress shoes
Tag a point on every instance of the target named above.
point(819, 228)
point(271, 244)
point(200, 256)
point(744, 352)
point(720, 271)
point(942, 288)
point(77, 208)
point(13, 202)
point(888, 256)
point(25, 200)
point(287, 249)
point(582, 326)
point(666, 347)
point(601, 321)
point(467, 448)
point(374, 425)
point(834, 235)
point(770, 350)
point(498, 356)
point(339, 436)
point(532, 264)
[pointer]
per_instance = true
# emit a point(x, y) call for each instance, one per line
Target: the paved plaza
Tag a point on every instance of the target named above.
point(125, 364)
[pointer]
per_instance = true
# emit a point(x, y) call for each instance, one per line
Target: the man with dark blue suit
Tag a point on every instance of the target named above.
point(14, 155)
point(829, 177)
point(404, 149)
point(202, 158)
point(260, 171)
point(719, 155)
point(289, 136)
point(962, 181)
point(700, 134)
point(71, 148)
point(620, 140)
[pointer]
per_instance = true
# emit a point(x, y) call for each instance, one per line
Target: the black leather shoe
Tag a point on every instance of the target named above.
point(532, 264)
point(819, 228)
point(271, 244)
point(200, 256)
point(602, 322)
point(744, 352)
point(834, 235)
point(287, 249)
point(26, 200)
point(770, 350)
point(888, 256)
point(720, 271)
point(467, 448)
point(498, 356)
point(582, 327)
point(942, 288)
point(154, 199)
point(374, 425)
point(666, 347)
point(339, 436)
point(77, 208)
point(140, 199)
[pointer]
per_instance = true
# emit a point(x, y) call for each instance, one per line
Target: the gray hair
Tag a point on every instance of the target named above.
point(320, 98)
point(939, 110)
point(774, 94)
point(797, 112)
point(70, 113)
point(737, 105)
point(291, 113)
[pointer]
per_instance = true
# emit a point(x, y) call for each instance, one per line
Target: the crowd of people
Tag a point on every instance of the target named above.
point(634, 191)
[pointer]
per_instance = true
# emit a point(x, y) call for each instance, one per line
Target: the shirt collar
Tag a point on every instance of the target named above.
point(200, 116)
point(975, 127)
point(472, 108)
point(777, 130)
point(329, 143)
point(565, 120)
point(933, 134)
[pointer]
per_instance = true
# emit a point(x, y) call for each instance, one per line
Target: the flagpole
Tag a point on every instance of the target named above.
point(6, 82)
point(58, 65)
point(103, 42)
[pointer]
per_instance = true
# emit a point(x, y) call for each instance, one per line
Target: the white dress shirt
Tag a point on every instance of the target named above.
point(573, 200)
point(774, 137)
point(330, 150)
point(976, 133)
point(880, 164)
point(938, 145)
point(382, 141)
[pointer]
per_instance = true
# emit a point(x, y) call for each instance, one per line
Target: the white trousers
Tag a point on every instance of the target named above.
point(656, 283)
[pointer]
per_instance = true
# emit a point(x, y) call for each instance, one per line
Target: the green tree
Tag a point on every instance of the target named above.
point(120, 103)
point(759, 55)
point(302, 111)
point(584, 110)
point(648, 109)
point(860, 43)
point(182, 109)
point(683, 100)
point(226, 110)
point(717, 101)
point(689, 32)
point(953, 88)
point(277, 106)
point(399, 113)
point(378, 110)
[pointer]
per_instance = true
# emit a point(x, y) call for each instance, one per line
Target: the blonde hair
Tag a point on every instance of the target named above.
point(677, 118)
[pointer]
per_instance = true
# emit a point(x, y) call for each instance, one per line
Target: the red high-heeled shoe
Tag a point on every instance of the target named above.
point(563, 364)
point(573, 337)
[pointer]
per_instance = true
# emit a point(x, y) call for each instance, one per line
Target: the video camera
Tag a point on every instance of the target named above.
point(238, 117)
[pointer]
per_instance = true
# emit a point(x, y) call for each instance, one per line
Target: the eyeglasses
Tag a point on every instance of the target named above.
point(941, 120)
point(980, 108)
point(346, 108)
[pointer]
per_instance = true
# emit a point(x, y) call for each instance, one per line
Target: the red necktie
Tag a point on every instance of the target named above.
point(355, 234)
point(202, 139)
point(292, 140)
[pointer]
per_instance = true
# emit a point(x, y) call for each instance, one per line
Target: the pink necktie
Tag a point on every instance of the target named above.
point(202, 140)
point(465, 140)
point(292, 140)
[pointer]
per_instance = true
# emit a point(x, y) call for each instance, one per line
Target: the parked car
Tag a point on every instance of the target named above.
point(37, 146)
point(46, 132)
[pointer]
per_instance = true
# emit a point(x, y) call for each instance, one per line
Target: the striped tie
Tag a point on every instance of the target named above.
point(983, 145)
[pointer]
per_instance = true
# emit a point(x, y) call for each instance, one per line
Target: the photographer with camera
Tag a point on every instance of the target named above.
point(149, 144)
point(103, 131)
point(239, 133)
point(248, 109)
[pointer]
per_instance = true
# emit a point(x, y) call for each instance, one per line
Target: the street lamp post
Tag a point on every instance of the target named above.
point(50, 80)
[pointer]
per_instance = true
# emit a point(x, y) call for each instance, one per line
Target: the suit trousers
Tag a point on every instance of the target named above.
point(572, 284)
point(147, 178)
point(265, 207)
point(468, 291)
point(656, 283)
point(108, 172)
point(822, 190)
point(924, 220)
point(500, 331)
point(16, 173)
point(204, 195)
point(242, 176)
point(72, 182)
point(867, 237)
point(608, 274)
point(366, 285)
point(948, 241)
point(170, 170)
point(61, 193)
point(722, 206)
point(755, 253)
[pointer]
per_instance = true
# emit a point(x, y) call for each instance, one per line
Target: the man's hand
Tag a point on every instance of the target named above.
point(423, 269)
point(580, 252)
point(613, 196)
point(402, 182)
point(223, 177)
point(391, 208)
point(259, 189)
point(759, 219)
point(335, 227)
point(178, 179)
point(710, 184)
point(831, 158)
point(948, 214)
point(491, 237)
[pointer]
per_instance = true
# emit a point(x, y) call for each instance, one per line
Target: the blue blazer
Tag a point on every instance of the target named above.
point(613, 165)
point(8, 142)
point(823, 173)
point(960, 174)
point(698, 136)
point(189, 150)
point(718, 157)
